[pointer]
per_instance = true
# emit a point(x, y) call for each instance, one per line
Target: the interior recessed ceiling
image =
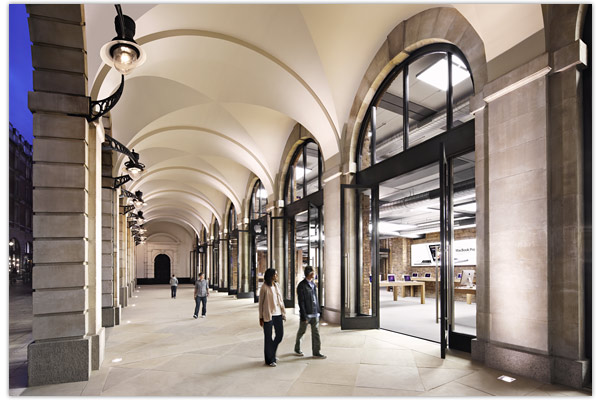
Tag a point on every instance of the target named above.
point(224, 85)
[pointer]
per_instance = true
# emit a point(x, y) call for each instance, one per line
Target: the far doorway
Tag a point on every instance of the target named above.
point(161, 266)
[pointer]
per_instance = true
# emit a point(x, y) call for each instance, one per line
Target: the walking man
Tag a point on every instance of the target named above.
point(309, 313)
point(173, 285)
point(201, 294)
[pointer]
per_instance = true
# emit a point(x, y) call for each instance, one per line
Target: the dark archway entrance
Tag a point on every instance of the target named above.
point(162, 269)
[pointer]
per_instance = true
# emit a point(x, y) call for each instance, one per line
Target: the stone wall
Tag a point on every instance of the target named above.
point(62, 349)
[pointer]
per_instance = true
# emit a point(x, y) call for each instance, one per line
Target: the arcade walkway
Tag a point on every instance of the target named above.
point(160, 350)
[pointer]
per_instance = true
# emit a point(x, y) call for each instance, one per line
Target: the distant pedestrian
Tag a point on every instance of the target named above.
point(309, 313)
point(201, 294)
point(173, 285)
point(272, 313)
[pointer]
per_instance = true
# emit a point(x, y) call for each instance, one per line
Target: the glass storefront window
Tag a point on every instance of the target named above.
point(432, 103)
point(311, 173)
point(389, 121)
point(428, 82)
point(304, 176)
point(232, 250)
point(258, 201)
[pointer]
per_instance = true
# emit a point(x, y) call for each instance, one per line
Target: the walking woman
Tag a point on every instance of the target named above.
point(272, 313)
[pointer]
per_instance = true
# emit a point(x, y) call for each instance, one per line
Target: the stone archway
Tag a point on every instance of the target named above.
point(435, 25)
point(162, 268)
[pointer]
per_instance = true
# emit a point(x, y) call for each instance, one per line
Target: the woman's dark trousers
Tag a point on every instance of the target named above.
point(276, 323)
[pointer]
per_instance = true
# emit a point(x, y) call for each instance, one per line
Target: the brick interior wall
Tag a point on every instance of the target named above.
point(400, 259)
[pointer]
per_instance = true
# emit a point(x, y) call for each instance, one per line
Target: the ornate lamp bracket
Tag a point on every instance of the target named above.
point(101, 107)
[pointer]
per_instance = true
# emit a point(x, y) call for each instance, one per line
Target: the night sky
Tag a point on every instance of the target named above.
point(20, 71)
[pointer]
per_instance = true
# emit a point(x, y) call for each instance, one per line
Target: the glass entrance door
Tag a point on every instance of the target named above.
point(409, 233)
point(305, 246)
point(233, 279)
point(360, 260)
point(408, 243)
point(462, 264)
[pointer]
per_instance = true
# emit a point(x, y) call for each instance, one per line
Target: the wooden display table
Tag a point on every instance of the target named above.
point(469, 291)
point(425, 279)
point(403, 285)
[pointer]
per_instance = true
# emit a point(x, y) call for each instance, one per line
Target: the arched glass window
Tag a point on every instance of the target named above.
point(216, 231)
point(258, 201)
point(417, 101)
point(304, 174)
point(232, 219)
point(216, 254)
point(232, 251)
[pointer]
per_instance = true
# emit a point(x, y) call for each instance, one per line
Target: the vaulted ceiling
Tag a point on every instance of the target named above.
point(223, 86)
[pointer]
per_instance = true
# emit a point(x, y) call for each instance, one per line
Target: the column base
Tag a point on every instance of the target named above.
point(110, 316)
point(124, 296)
point(59, 361)
point(572, 373)
point(249, 294)
point(223, 289)
point(531, 365)
point(98, 344)
point(331, 315)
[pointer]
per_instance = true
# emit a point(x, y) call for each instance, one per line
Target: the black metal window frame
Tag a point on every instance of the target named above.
point(370, 116)
point(290, 180)
point(232, 235)
point(293, 208)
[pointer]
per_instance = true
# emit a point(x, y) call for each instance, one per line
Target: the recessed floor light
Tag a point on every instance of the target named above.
point(118, 360)
point(506, 378)
point(134, 305)
point(127, 321)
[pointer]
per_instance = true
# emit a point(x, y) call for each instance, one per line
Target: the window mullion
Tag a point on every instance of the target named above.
point(449, 91)
point(406, 112)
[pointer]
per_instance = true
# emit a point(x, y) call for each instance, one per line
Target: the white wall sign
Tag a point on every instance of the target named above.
point(464, 253)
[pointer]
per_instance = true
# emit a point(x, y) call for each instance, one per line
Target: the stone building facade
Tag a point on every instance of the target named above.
point(528, 111)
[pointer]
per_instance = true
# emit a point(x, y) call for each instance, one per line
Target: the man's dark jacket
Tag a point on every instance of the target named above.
point(306, 300)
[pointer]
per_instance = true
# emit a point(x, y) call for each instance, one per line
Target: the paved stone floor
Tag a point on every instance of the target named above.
point(160, 350)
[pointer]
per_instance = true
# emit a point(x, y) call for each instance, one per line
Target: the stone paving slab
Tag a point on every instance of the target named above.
point(160, 350)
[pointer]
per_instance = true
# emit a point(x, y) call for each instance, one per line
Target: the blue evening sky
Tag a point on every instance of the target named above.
point(20, 71)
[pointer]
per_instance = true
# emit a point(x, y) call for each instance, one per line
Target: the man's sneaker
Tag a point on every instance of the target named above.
point(272, 365)
point(298, 353)
point(319, 356)
point(202, 316)
point(194, 316)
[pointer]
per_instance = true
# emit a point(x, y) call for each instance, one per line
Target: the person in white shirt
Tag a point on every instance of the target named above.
point(173, 285)
point(272, 313)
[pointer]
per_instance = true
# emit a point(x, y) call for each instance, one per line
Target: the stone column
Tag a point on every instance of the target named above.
point(244, 261)
point(131, 264)
point(109, 301)
point(568, 56)
point(61, 350)
point(277, 243)
point(223, 263)
point(209, 263)
point(96, 330)
point(116, 221)
point(332, 245)
point(123, 258)
point(512, 210)
point(477, 105)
